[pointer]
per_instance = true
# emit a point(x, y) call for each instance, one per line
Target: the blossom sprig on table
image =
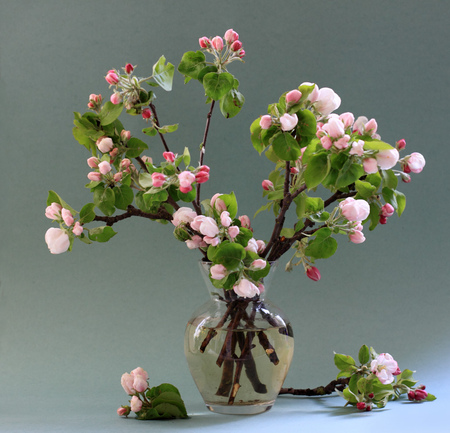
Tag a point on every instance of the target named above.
point(160, 402)
point(377, 380)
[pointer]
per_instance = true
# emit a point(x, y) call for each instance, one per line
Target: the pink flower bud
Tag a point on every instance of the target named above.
point(94, 176)
point(231, 36)
point(417, 395)
point(225, 219)
point(233, 231)
point(382, 220)
point(115, 98)
point(334, 128)
point(67, 217)
point(104, 167)
point(77, 229)
point(186, 178)
point(357, 148)
point(158, 179)
point(342, 143)
point(118, 176)
point(326, 142)
point(261, 246)
point(236, 46)
point(217, 203)
point(354, 210)
point(140, 383)
point(252, 246)
point(195, 242)
point(293, 96)
point(204, 42)
point(92, 162)
point(127, 383)
point(246, 289)
point(294, 170)
point(125, 135)
point(129, 68)
point(387, 210)
point(361, 405)
point(57, 240)
point(241, 54)
point(214, 241)
point(123, 411)
point(169, 156)
point(405, 177)
point(288, 122)
point(313, 273)
point(218, 272)
point(370, 165)
point(357, 237)
point(265, 122)
point(267, 185)
point(245, 221)
point(401, 144)
point(347, 119)
point(104, 144)
point(53, 211)
point(111, 77)
point(259, 264)
point(125, 163)
point(146, 113)
point(136, 404)
point(208, 227)
point(415, 162)
point(183, 215)
point(217, 43)
point(97, 99)
point(204, 168)
point(371, 127)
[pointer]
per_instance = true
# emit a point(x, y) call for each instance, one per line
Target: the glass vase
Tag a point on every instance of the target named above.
point(238, 349)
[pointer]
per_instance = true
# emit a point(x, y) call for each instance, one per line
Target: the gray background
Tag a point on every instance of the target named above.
point(70, 325)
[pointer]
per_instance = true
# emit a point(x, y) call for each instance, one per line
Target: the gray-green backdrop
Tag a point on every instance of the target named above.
point(70, 325)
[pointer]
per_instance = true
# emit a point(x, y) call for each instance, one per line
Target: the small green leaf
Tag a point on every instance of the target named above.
point(323, 245)
point(135, 147)
point(370, 144)
point(152, 131)
point(390, 180)
point(217, 84)
point(104, 199)
point(286, 147)
point(110, 112)
point(364, 355)
point(401, 202)
point(349, 174)
point(229, 255)
point(365, 189)
point(307, 124)
point(163, 73)
point(231, 103)
point(53, 197)
point(101, 234)
point(87, 213)
point(192, 63)
point(231, 203)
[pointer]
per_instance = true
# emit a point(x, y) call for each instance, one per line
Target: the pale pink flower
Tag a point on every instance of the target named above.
point(354, 210)
point(125, 135)
point(204, 42)
point(104, 167)
point(122, 411)
point(293, 96)
point(217, 203)
point(225, 219)
point(233, 231)
point(104, 144)
point(265, 121)
point(347, 119)
point(196, 222)
point(342, 143)
point(135, 403)
point(57, 240)
point(387, 210)
point(217, 43)
point(245, 221)
point(186, 178)
point(208, 227)
point(53, 211)
point(246, 289)
point(357, 237)
point(127, 383)
point(95, 176)
point(125, 163)
point(116, 98)
point(183, 215)
point(92, 162)
point(139, 371)
point(327, 101)
point(252, 246)
point(267, 185)
point(146, 159)
point(214, 241)
point(261, 246)
point(326, 142)
point(195, 242)
point(313, 273)
point(169, 156)
point(158, 179)
point(334, 128)
point(312, 97)
point(111, 77)
point(370, 165)
point(259, 264)
point(415, 162)
point(67, 217)
point(385, 367)
point(357, 148)
point(288, 121)
point(118, 176)
point(77, 229)
point(218, 272)
point(140, 383)
point(386, 159)
point(231, 36)
point(371, 127)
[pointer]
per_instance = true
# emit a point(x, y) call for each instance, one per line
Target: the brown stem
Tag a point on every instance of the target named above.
point(245, 355)
point(132, 211)
point(268, 348)
point(158, 125)
point(338, 384)
point(212, 332)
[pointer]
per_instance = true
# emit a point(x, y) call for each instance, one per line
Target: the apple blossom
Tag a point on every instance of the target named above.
point(115, 98)
point(261, 246)
point(236, 46)
point(95, 176)
point(104, 167)
point(92, 162)
point(125, 163)
point(183, 215)
point(218, 272)
point(135, 403)
point(112, 78)
point(246, 289)
point(214, 241)
point(127, 383)
point(217, 43)
point(371, 127)
point(370, 165)
point(225, 219)
point(417, 394)
point(386, 159)
point(202, 176)
point(231, 36)
point(401, 144)
point(252, 246)
point(382, 220)
point(77, 229)
point(313, 273)
point(118, 176)
point(342, 143)
point(385, 367)
point(267, 185)
point(208, 227)
point(327, 101)
point(204, 42)
point(354, 210)
point(186, 178)
point(169, 156)
point(53, 211)
point(288, 121)
point(57, 240)
point(129, 68)
point(241, 54)
point(259, 264)
point(67, 217)
point(123, 411)
point(334, 128)
point(245, 221)
point(217, 203)
point(140, 383)
point(357, 237)
point(312, 97)
point(357, 148)
point(139, 371)
point(265, 121)
point(415, 162)
point(195, 242)
point(125, 135)
point(361, 405)
point(326, 142)
point(293, 96)
point(104, 144)
point(387, 210)
point(233, 231)
point(146, 113)
point(158, 179)
point(347, 119)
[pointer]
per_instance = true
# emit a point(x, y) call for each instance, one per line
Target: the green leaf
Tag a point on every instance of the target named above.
point(370, 144)
point(255, 131)
point(374, 179)
point(135, 147)
point(364, 355)
point(231, 203)
point(430, 397)
point(123, 196)
point(110, 112)
point(389, 197)
point(316, 170)
point(217, 84)
point(192, 63)
point(231, 103)
point(205, 71)
point(307, 124)
point(390, 180)
point(365, 189)
point(104, 199)
point(229, 255)
point(322, 246)
point(168, 128)
point(87, 213)
point(374, 216)
point(313, 205)
point(163, 73)
point(53, 197)
point(244, 236)
point(286, 147)
point(152, 131)
point(101, 234)
point(401, 202)
point(349, 174)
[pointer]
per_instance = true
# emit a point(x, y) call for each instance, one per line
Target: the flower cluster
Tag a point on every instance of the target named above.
point(377, 380)
point(215, 46)
point(160, 402)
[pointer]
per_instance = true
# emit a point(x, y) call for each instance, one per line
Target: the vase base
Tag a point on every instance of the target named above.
point(240, 409)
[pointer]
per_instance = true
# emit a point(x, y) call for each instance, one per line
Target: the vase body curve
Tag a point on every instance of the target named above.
point(238, 350)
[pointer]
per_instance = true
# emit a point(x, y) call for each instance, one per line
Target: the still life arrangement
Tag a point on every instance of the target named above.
point(238, 345)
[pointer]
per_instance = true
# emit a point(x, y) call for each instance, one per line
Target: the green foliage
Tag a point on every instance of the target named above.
point(192, 63)
point(109, 113)
point(217, 85)
point(286, 147)
point(323, 245)
point(135, 147)
point(231, 103)
point(316, 170)
point(163, 73)
point(101, 234)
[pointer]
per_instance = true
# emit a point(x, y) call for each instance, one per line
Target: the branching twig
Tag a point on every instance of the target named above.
point(132, 211)
point(338, 384)
point(152, 107)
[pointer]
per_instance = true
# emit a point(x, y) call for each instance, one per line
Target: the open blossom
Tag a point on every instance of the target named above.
point(327, 101)
point(53, 211)
point(183, 215)
point(135, 403)
point(370, 165)
point(225, 219)
point(246, 289)
point(104, 167)
point(207, 226)
point(67, 217)
point(354, 210)
point(357, 148)
point(415, 162)
point(218, 272)
point(386, 159)
point(385, 367)
point(104, 144)
point(57, 240)
point(288, 121)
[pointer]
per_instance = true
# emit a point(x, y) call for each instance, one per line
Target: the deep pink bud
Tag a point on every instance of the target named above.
point(313, 273)
point(169, 156)
point(231, 36)
point(361, 405)
point(204, 168)
point(158, 179)
point(241, 54)
point(267, 185)
point(236, 46)
point(204, 42)
point(129, 68)
point(115, 98)
point(146, 113)
point(383, 220)
point(217, 43)
point(202, 177)
point(111, 77)
point(387, 210)
point(371, 395)
point(401, 144)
